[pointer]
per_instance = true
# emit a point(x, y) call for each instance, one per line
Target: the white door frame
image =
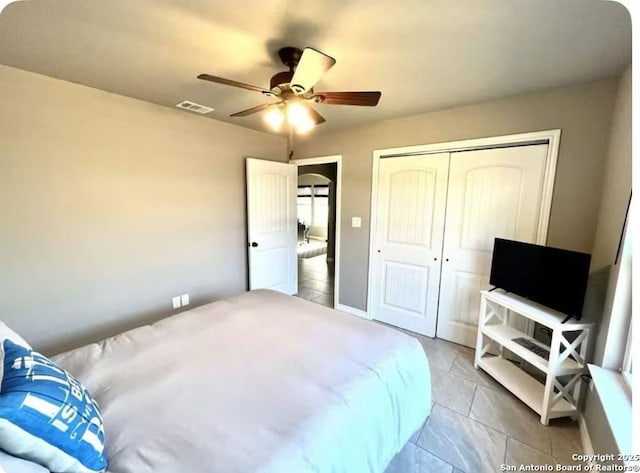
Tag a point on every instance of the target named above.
point(328, 160)
point(550, 137)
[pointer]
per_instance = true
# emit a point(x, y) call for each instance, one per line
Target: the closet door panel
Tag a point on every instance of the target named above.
point(408, 241)
point(492, 193)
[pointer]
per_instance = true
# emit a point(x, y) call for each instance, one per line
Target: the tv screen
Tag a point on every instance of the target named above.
point(552, 277)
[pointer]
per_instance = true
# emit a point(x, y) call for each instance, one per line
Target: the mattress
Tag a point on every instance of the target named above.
point(261, 382)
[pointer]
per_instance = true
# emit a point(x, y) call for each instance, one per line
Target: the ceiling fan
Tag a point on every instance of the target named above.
point(295, 90)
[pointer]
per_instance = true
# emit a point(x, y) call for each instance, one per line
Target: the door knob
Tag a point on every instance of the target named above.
point(254, 244)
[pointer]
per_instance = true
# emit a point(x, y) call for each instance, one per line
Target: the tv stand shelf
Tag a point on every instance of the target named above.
point(559, 395)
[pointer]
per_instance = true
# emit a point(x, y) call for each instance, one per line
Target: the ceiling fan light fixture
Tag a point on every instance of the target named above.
point(274, 118)
point(305, 125)
point(298, 117)
point(296, 113)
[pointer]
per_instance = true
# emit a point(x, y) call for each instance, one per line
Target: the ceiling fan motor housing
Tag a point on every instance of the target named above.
point(290, 56)
point(281, 78)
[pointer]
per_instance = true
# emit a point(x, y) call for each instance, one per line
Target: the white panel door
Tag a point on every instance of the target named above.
point(408, 243)
point(492, 193)
point(272, 225)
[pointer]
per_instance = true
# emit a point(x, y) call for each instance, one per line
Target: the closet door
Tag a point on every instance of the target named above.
point(492, 193)
point(408, 241)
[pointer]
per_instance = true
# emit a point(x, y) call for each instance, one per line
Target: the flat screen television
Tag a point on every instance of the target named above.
point(549, 276)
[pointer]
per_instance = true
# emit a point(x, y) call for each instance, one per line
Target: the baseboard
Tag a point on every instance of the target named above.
point(587, 446)
point(352, 311)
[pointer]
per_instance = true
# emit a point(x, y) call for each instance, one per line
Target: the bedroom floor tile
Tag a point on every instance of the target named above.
point(505, 413)
point(413, 459)
point(463, 367)
point(519, 453)
point(565, 440)
point(441, 354)
point(475, 440)
point(452, 391)
point(463, 442)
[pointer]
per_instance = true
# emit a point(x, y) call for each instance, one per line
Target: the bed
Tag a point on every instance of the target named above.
point(261, 382)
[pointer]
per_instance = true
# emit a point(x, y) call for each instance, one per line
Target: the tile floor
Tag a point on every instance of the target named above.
point(476, 425)
point(315, 280)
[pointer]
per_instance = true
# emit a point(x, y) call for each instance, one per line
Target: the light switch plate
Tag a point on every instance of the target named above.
point(184, 298)
point(176, 302)
point(356, 222)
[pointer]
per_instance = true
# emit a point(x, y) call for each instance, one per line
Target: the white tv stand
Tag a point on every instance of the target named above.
point(559, 396)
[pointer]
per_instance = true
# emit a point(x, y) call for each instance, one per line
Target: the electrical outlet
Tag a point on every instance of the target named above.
point(356, 222)
point(176, 302)
point(184, 298)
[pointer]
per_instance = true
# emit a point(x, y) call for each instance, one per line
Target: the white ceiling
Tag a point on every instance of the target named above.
point(422, 54)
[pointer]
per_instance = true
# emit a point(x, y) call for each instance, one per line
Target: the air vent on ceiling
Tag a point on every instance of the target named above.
point(194, 107)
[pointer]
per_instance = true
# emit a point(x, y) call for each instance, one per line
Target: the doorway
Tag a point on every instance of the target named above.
point(318, 205)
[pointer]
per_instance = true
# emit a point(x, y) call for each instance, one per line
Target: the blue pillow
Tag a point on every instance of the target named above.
point(46, 415)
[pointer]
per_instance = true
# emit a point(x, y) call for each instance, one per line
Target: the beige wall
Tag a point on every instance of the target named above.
point(110, 206)
point(583, 112)
point(612, 212)
point(617, 180)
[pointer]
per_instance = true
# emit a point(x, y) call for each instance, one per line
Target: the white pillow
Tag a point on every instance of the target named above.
point(11, 464)
point(7, 333)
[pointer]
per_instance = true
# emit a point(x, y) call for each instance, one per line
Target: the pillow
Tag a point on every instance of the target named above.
point(6, 332)
point(11, 464)
point(46, 415)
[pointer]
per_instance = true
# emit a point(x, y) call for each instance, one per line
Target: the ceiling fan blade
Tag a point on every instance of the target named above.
point(364, 99)
point(233, 83)
point(252, 110)
point(312, 66)
point(315, 116)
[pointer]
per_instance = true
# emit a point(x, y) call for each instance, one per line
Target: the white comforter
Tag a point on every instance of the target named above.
point(262, 382)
